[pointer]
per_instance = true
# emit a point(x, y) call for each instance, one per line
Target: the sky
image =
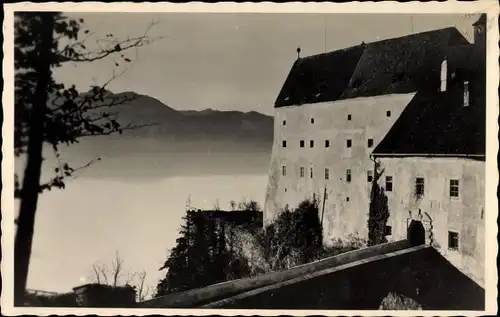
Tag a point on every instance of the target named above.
point(232, 61)
point(218, 61)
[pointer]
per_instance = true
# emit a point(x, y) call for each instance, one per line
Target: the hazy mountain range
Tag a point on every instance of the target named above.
point(176, 142)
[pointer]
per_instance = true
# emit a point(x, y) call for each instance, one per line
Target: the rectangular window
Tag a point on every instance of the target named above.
point(312, 120)
point(453, 240)
point(348, 176)
point(388, 113)
point(419, 186)
point(284, 143)
point(388, 230)
point(302, 171)
point(327, 173)
point(349, 117)
point(311, 143)
point(284, 122)
point(388, 183)
point(311, 173)
point(347, 199)
point(466, 93)
point(301, 143)
point(283, 170)
point(370, 142)
point(454, 187)
point(327, 143)
point(369, 177)
point(349, 143)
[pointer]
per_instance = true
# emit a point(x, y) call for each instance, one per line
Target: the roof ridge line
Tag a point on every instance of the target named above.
point(380, 41)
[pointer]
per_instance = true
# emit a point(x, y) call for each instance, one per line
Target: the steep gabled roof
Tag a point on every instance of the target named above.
point(398, 65)
point(319, 78)
point(437, 123)
point(481, 20)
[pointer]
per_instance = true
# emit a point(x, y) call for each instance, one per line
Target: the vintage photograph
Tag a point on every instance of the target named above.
point(249, 160)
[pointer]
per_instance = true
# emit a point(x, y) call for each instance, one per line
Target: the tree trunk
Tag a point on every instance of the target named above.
point(31, 181)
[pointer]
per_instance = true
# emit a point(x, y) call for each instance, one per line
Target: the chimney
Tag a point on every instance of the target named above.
point(466, 93)
point(480, 30)
point(444, 75)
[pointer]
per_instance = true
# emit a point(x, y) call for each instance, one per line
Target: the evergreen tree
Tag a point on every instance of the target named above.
point(379, 211)
point(203, 255)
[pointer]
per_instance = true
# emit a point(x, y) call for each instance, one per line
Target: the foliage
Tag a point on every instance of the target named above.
point(394, 301)
point(67, 114)
point(294, 238)
point(206, 252)
point(48, 112)
point(379, 211)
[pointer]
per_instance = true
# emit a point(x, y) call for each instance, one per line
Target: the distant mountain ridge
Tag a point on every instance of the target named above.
point(176, 142)
point(166, 121)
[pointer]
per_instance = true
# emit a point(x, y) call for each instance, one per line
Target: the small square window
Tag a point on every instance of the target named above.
point(453, 240)
point(301, 143)
point(327, 143)
point(284, 122)
point(349, 143)
point(349, 117)
point(327, 173)
point(419, 186)
point(388, 230)
point(311, 143)
point(369, 176)
point(348, 176)
point(454, 188)
point(388, 113)
point(283, 170)
point(285, 190)
point(388, 183)
point(284, 143)
point(312, 120)
point(302, 172)
point(370, 142)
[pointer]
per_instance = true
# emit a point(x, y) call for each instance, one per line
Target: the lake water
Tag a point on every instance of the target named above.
point(93, 218)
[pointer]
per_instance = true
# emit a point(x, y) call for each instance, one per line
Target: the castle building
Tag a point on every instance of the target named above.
point(416, 106)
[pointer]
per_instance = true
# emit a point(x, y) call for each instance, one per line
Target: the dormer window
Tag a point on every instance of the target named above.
point(399, 74)
point(444, 75)
point(357, 83)
point(466, 93)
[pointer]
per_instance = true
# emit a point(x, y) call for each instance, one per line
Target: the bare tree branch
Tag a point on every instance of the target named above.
point(117, 268)
point(77, 52)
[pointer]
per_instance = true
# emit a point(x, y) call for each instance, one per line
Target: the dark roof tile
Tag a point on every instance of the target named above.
point(398, 65)
point(437, 123)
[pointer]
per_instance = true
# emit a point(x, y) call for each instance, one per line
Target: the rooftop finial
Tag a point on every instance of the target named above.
point(298, 52)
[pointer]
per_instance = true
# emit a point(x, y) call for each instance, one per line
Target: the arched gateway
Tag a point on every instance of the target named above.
point(416, 233)
point(419, 228)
